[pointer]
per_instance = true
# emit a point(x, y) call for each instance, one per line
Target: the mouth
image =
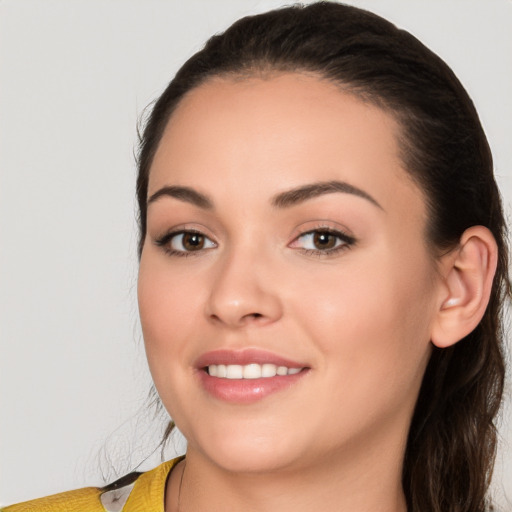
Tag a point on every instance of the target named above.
point(249, 371)
point(248, 376)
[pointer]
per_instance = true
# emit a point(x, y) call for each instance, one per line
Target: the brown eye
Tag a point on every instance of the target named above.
point(324, 240)
point(186, 242)
point(193, 241)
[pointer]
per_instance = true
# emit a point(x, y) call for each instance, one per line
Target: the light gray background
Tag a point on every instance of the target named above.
point(75, 76)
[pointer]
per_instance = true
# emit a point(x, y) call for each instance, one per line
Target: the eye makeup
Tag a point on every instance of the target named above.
point(322, 242)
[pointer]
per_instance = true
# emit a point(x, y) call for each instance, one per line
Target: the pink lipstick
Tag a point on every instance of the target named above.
point(247, 376)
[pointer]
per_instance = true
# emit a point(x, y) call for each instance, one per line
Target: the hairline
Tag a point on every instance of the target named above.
point(264, 70)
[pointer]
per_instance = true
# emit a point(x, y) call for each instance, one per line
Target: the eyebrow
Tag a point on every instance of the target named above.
point(306, 192)
point(282, 200)
point(186, 194)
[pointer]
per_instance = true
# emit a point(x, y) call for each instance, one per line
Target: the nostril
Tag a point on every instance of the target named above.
point(253, 315)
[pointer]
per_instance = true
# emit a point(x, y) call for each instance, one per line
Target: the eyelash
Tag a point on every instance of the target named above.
point(347, 242)
point(165, 241)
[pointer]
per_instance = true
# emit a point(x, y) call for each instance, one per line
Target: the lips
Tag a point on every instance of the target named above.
point(244, 357)
point(247, 376)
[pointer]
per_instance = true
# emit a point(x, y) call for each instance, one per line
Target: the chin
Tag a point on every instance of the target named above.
point(253, 461)
point(240, 452)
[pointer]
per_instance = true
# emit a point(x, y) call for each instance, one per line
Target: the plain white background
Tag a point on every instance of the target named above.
point(75, 77)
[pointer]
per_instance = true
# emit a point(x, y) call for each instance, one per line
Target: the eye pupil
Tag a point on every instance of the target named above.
point(193, 241)
point(324, 240)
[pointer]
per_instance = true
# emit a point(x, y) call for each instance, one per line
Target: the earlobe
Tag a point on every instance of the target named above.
point(468, 275)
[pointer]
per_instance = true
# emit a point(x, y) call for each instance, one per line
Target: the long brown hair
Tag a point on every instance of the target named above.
point(452, 440)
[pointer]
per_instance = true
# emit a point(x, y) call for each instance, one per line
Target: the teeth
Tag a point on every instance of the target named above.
point(268, 370)
point(249, 371)
point(234, 371)
point(252, 371)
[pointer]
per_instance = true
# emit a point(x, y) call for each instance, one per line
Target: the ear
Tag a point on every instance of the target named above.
point(468, 273)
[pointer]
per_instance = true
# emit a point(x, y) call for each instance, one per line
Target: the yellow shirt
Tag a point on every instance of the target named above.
point(145, 494)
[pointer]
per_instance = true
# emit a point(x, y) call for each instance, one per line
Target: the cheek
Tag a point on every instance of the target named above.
point(167, 308)
point(371, 318)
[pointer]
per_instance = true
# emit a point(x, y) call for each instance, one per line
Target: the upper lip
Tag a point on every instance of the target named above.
point(244, 357)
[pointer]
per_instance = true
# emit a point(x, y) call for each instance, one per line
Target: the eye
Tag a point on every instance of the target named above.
point(323, 241)
point(182, 243)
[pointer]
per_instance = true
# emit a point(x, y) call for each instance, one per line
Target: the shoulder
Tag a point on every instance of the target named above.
point(136, 491)
point(71, 501)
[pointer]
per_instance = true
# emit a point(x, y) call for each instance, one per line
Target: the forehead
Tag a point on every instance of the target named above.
point(273, 101)
point(278, 132)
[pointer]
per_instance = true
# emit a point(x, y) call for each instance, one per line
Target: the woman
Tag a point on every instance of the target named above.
point(322, 271)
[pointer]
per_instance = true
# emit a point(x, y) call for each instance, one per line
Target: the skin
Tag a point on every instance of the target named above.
point(361, 318)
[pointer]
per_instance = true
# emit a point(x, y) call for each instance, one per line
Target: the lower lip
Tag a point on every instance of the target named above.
point(247, 391)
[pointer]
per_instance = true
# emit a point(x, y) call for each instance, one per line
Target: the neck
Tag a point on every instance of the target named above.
point(336, 483)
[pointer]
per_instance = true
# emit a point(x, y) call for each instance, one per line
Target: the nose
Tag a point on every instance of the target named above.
point(243, 293)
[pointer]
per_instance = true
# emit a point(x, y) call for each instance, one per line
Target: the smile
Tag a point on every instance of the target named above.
point(249, 371)
point(249, 375)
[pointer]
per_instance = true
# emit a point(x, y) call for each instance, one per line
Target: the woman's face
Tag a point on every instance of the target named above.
point(283, 232)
